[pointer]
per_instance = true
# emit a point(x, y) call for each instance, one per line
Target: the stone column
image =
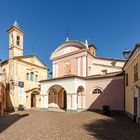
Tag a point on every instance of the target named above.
point(84, 101)
point(53, 70)
point(69, 101)
point(44, 101)
point(72, 102)
point(79, 66)
point(84, 67)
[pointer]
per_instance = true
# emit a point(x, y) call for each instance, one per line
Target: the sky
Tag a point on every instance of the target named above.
point(111, 25)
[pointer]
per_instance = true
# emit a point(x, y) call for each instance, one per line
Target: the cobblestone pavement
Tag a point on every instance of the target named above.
point(43, 125)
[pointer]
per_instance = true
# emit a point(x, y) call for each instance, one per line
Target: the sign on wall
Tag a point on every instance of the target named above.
point(21, 84)
point(21, 93)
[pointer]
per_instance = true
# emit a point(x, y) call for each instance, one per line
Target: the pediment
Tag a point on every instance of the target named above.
point(68, 47)
point(33, 60)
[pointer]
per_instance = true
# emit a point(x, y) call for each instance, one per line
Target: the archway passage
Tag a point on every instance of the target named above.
point(57, 97)
point(80, 98)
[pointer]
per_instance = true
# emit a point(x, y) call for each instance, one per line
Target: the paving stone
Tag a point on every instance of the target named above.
point(43, 125)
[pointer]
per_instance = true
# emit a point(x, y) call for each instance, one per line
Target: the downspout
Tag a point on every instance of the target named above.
point(124, 91)
point(86, 65)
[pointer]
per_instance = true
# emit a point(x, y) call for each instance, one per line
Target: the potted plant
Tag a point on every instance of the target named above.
point(106, 109)
point(20, 107)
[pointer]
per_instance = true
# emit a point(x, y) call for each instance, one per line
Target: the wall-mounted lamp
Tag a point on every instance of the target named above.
point(126, 53)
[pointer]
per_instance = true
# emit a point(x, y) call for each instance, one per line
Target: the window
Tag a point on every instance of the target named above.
point(36, 78)
point(32, 76)
point(18, 40)
point(97, 91)
point(136, 72)
point(27, 76)
point(126, 79)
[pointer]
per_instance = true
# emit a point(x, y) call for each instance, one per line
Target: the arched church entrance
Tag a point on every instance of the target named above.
point(34, 99)
point(57, 98)
point(80, 98)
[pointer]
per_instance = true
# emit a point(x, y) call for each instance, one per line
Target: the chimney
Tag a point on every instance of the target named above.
point(92, 49)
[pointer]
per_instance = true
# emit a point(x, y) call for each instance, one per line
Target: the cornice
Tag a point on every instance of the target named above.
point(69, 54)
point(133, 57)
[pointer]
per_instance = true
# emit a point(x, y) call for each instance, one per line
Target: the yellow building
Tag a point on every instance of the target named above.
point(132, 84)
point(2, 93)
point(22, 73)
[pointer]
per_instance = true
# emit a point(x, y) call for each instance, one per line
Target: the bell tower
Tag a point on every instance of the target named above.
point(15, 40)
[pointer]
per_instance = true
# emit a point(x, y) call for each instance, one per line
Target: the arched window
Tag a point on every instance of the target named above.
point(36, 78)
point(32, 76)
point(18, 40)
point(27, 76)
point(80, 89)
point(97, 91)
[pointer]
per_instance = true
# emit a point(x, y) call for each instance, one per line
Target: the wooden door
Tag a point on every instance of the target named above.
point(33, 100)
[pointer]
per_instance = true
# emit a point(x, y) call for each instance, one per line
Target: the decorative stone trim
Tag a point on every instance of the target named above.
point(44, 109)
point(43, 95)
point(69, 110)
point(71, 93)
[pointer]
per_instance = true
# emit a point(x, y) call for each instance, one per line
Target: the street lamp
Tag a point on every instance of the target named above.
point(126, 53)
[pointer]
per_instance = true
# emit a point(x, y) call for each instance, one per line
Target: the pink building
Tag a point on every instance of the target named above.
point(83, 81)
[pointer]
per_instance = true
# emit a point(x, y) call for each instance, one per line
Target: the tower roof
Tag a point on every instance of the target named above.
point(16, 27)
point(15, 24)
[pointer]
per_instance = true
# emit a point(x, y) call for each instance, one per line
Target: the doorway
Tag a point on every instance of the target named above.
point(33, 100)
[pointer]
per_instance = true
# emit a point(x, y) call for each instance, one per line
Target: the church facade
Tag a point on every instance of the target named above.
point(82, 81)
point(22, 73)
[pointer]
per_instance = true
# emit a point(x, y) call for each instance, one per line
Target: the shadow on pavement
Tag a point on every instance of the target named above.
point(115, 127)
point(9, 119)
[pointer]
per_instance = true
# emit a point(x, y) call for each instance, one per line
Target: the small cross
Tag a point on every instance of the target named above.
point(33, 50)
point(67, 35)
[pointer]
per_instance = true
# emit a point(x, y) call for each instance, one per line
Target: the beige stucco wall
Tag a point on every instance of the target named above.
point(129, 90)
point(16, 71)
point(2, 93)
point(24, 68)
point(96, 65)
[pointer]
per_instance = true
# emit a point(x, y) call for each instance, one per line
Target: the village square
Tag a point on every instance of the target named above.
point(83, 97)
point(81, 81)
